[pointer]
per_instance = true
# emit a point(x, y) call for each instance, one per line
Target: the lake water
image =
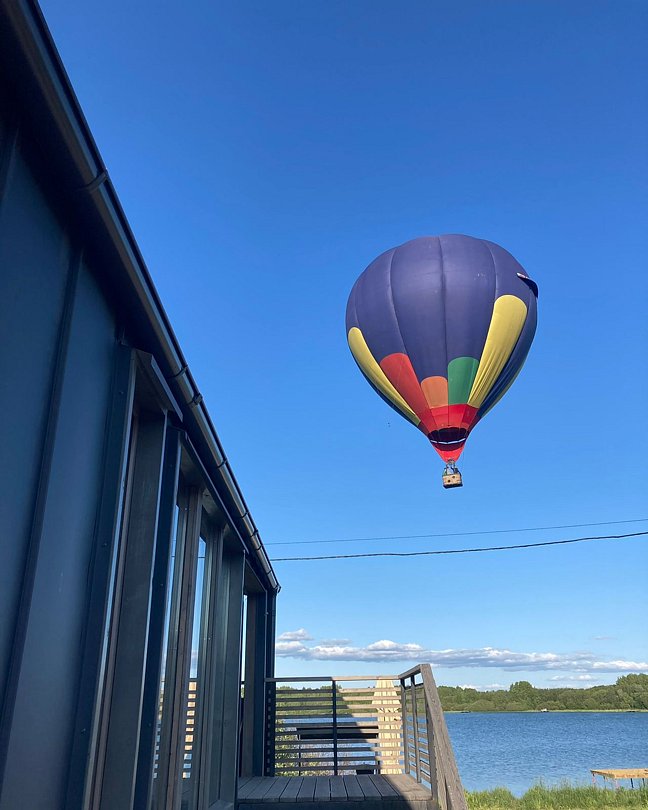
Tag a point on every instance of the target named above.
point(516, 750)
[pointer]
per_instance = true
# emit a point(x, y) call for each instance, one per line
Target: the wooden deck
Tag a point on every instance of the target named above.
point(398, 792)
point(614, 774)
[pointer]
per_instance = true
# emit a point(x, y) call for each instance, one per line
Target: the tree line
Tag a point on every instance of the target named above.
point(630, 692)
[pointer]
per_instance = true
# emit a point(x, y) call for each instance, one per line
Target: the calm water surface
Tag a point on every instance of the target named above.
point(516, 750)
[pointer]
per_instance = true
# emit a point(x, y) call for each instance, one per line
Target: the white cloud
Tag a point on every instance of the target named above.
point(293, 649)
point(334, 642)
point(575, 678)
point(296, 635)
point(385, 650)
point(489, 687)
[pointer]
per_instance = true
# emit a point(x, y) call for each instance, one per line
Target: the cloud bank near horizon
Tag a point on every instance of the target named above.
point(296, 635)
point(291, 645)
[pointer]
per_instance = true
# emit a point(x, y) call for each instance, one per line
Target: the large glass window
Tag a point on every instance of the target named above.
point(195, 689)
point(182, 694)
point(199, 695)
point(163, 737)
point(165, 698)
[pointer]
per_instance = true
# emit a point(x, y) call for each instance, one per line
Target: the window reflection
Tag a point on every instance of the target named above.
point(165, 695)
point(165, 642)
point(182, 697)
point(194, 692)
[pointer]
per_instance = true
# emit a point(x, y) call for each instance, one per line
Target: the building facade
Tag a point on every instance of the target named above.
point(132, 575)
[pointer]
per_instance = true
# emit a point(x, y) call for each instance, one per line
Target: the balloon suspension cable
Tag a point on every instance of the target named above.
point(451, 466)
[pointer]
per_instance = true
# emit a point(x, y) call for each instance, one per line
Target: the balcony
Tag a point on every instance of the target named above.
point(381, 740)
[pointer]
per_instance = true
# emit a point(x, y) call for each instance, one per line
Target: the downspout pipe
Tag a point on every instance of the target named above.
point(38, 51)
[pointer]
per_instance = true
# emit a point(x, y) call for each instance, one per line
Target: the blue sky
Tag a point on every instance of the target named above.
point(265, 153)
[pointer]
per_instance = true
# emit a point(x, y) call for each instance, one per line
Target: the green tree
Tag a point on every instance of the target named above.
point(523, 692)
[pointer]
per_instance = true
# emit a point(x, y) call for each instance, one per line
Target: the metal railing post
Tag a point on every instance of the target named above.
point(271, 728)
point(406, 762)
point(437, 782)
point(415, 724)
point(335, 729)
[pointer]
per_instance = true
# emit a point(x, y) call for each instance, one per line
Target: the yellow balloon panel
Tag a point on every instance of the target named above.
point(376, 375)
point(509, 315)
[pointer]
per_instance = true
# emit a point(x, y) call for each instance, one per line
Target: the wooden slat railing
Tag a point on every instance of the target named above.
point(386, 724)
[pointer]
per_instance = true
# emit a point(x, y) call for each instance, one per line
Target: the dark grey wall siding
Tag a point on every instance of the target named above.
point(34, 266)
point(45, 707)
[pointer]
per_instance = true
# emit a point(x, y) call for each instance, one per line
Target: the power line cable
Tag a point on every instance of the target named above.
point(459, 550)
point(455, 534)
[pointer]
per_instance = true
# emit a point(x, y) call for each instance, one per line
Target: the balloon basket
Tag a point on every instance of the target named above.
point(451, 477)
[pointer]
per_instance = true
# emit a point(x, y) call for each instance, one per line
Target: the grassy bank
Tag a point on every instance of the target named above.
point(564, 797)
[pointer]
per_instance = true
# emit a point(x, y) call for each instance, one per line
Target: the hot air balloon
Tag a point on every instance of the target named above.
point(440, 327)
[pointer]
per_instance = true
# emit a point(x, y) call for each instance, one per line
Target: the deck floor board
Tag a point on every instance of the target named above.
point(277, 789)
point(388, 792)
point(291, 790)
point(307, 789)
point(353, 789)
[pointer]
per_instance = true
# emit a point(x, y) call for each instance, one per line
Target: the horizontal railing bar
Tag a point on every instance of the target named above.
point(413, 671)
point(321, 760)
point(385, 709)
point(285, 737)
point(367, 708)
point(329, 751)
point(385, 704)
point(297, 739)
point(343, 754)
point(312, 764)
point(325, 756)
point(320, 755)
point(293, 719)
point(346, 749)
point(347, 722)
point(305, 764)
point(332, 678)
point(289, 692)
point(388, 702)
point(370, 690)
point(349, 705)
point(360, 693)
point(287, 771)
point(302, 694)
point(320, 725)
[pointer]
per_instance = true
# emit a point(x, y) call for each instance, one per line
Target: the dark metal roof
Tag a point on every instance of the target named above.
point(38, 83)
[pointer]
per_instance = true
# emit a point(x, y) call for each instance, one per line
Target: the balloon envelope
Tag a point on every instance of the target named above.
point(440, 327)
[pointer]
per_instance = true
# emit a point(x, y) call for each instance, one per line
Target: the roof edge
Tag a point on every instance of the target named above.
point(31, 37)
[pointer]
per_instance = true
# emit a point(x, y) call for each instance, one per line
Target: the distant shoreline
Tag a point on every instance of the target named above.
point(629, 693)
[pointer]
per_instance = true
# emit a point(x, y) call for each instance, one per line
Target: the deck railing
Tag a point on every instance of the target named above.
point(428, 754)
point(385, 724)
